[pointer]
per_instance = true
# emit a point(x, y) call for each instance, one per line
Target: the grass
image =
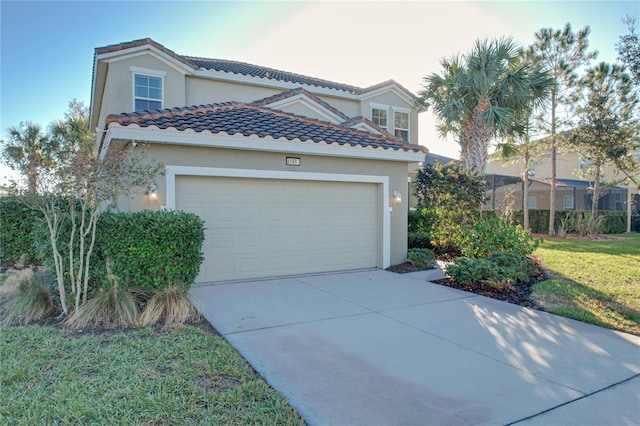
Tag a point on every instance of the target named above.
point(184, 376)
point(595, 281)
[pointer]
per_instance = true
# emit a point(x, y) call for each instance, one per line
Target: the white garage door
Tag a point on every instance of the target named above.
point(258, 228)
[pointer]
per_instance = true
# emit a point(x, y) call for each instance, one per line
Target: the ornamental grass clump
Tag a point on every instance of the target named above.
point(29, 302)
point(112, 306)
point(171, 305)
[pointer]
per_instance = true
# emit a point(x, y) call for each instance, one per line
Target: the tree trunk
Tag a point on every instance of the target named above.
point(525, 190)
point(596, 190)
point(466, 146)
point(481, 137)
point(552, 193)
point(53, 225)
point(33, 172)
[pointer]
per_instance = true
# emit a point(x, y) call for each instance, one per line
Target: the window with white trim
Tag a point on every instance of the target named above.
point(147, 91)
point(568, 202)
point(532, 203)
point(379, 117)
point(401, 125)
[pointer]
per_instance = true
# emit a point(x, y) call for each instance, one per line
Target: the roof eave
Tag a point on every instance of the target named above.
point(253, 143)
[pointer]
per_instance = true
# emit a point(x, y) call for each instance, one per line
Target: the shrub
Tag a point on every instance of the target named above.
point(17, 239)
point(497, 270)
point(418, 240)
point(420, 220)
point(30, 302)
point(586, 225)
point(449, 198)
point(148, 250)
point(422, 258)
point(469, 271)
point(171, 304)
point(613, 222)
point(494, 235)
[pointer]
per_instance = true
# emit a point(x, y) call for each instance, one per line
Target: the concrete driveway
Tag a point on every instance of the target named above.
point(373, 347)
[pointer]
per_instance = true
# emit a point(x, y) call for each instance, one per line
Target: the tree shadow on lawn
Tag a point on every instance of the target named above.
point(615, 247)
point(563, 296)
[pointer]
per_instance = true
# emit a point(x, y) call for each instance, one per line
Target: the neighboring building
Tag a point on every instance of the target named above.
point(572, 193)
point(292, 174)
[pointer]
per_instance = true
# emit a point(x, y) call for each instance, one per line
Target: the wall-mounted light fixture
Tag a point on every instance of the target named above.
point(153, 192)
point(397, 195)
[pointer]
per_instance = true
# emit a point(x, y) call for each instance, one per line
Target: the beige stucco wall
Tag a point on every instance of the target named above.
point(118, 92)
point(228, 158)
point(567, 166)
point(202, 91)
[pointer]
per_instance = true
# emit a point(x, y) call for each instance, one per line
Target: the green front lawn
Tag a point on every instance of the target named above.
point(596, 281)
point(188, 376)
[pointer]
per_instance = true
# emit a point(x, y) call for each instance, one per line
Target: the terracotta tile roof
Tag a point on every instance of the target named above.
point(251, 120)
point(299, 91)
point(243, 68)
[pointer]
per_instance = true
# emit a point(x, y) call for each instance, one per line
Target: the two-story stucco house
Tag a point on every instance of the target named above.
point(292, 174)
point(573, 189)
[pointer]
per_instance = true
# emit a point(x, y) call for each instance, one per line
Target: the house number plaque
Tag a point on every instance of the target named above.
point(293, 161)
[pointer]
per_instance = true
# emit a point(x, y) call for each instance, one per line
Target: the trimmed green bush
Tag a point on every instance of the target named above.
point(418, 240)
point(147, 250)
point(422, 258)
point(17, 238)
point(496, 270)
point(494, 235)
point(150, 250)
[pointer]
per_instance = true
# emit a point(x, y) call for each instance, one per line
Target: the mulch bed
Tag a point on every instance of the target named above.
point(518, 293)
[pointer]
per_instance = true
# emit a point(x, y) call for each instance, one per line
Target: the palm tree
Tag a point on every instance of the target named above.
point(478, 95)
point(28, 151)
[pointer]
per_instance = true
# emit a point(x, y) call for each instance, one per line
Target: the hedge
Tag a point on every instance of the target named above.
point(18, 224)
point(149, 250)
point(614, 222)
point(146, 250)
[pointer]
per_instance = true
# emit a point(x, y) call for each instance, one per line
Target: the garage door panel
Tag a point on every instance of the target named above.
point(264, 227)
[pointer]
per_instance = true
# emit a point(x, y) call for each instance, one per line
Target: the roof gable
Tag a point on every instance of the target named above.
point(203, 66)
point(301, 96)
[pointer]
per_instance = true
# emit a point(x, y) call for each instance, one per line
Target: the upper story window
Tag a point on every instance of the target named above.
point(394, 119)
point(401, 125)
point(379, 117)
point(148, 89)
point(147, 92)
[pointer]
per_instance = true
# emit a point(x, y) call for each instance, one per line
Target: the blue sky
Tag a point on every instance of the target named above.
point(47, 47)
